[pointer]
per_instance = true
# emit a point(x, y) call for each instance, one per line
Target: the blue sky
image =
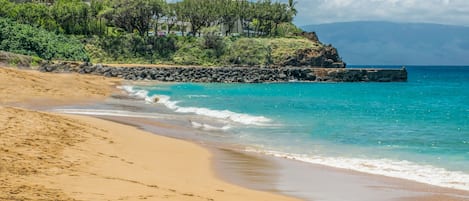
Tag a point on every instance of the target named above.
point(453, 12)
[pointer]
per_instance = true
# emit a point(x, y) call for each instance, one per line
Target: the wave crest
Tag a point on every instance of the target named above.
point(245, 119)
point(398, 169)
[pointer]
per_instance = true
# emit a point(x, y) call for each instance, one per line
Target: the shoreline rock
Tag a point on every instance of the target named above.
point(233, 74)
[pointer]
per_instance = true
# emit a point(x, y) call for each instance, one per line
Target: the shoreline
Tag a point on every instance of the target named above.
point(47, 155)
point(276, 170)
point(85, 158)
point(319, 182)
point(373, 167)
point(300, 179)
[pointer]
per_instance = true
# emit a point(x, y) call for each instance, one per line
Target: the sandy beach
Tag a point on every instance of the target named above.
point(28, 87)
point(50, 156)
point(46, 156)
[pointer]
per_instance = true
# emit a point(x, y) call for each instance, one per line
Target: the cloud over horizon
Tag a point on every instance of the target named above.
point(453, 12)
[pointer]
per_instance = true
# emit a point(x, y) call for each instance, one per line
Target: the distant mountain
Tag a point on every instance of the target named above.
point(387, 43)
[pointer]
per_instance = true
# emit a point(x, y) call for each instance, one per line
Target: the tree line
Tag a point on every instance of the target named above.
point(98, 17)
point(126, 30)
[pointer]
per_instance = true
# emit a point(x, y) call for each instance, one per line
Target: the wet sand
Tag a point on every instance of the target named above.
point(299, 179)
point(318, 182)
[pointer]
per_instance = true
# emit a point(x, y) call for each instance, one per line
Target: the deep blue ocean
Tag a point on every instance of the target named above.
point(416, 130)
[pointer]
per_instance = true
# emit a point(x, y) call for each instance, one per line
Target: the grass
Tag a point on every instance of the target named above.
point(266, 51)
point(282, 48)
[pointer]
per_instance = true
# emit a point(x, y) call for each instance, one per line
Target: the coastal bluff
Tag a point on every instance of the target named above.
point(232, 74)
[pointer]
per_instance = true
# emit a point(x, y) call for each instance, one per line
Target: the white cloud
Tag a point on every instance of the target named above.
point(434, 11)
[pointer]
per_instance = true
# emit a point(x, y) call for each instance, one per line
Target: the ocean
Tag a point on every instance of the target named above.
point(416, 130)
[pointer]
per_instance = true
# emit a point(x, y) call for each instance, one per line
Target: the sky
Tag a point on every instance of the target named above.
point(452, 12)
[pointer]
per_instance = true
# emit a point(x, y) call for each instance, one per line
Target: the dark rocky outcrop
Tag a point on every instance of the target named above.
point(233, 74)
point(326, 57)
point(312, 36)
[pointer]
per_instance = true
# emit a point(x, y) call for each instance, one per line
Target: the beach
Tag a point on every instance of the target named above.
point(57, 156)
point(48, 156)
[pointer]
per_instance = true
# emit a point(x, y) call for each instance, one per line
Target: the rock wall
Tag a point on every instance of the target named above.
point(234, 74)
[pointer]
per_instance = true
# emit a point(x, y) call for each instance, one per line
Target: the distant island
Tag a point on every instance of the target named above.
point(389, 43)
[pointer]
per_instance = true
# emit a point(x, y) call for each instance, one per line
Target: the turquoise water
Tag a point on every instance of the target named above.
point(416, 130)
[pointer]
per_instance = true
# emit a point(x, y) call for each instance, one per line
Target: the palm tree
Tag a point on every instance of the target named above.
point(291, 5)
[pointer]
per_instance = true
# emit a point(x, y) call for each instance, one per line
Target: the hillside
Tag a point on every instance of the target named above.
point(386, 43)
point(213, 33)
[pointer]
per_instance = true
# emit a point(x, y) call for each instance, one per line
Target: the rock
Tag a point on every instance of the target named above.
point(130, 77)
point(156, 99)
point(312, 36)
point(325, 57)
point(244, 74)
point(89, 69)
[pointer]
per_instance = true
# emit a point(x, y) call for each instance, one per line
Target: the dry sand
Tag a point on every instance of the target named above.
point(46, 156)
point(28, 87)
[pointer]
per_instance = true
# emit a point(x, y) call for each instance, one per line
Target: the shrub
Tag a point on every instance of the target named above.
point(189, 53)
point(213, 41)
point(28, 40)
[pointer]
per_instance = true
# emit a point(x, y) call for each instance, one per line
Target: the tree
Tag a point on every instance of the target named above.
point(291, 7)
point(171, 16)
point(280, 15)
point(136, 15)
point(246, 14)
point(193, 11)
point(229, 14)
point(73, 16)
point(98, 9)
point(34, 14)
point(262, 16)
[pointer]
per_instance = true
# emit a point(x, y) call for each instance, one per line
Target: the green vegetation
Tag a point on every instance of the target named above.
point(196, 32)
point(266, 51)
point(28, 40)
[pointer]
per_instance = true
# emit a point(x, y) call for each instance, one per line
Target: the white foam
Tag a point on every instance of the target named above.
point(165, 100)
point(208, 127)
point(226, 115)
point(117, 113)
point(398, 169)
point(245, 119)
